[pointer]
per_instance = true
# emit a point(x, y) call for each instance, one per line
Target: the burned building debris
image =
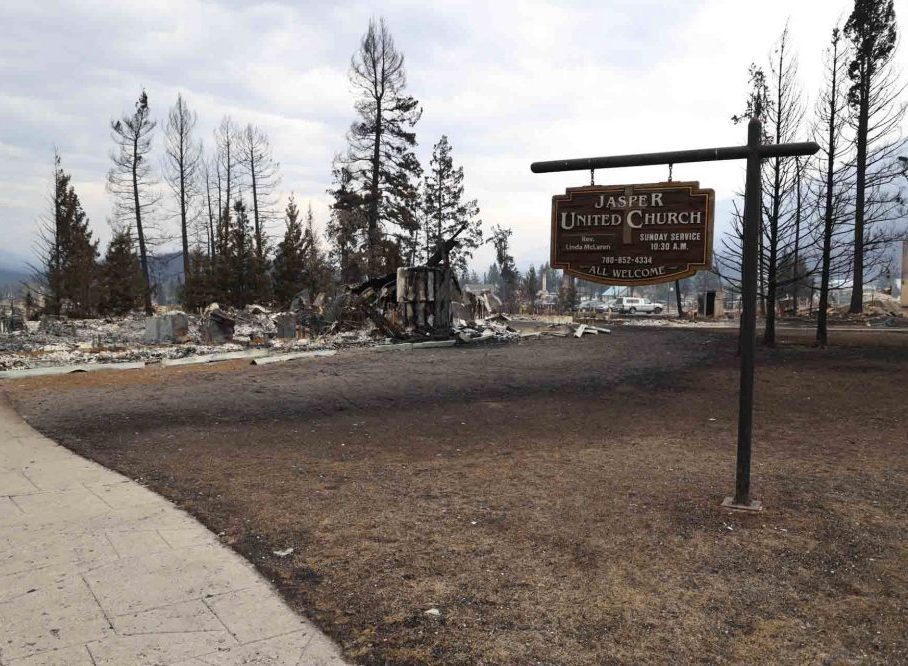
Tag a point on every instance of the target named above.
point(412, 305)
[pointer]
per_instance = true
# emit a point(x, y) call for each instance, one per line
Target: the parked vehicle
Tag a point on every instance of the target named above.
point(593, 305)
point(632, 305)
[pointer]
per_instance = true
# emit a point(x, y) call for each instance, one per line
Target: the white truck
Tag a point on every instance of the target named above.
point(631, 305)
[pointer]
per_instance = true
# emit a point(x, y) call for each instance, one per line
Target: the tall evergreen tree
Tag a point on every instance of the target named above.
point(82, 271)
point(226, 161)
point(289, 258)
point(68, 253)
point(493, 277)
point(131, 181)
point(380, 160)
point(224, 176)
point(446, 210)
point(239, 278)
point(197, 288)
point(317, 267)
point(347, 228)
point(122, 283)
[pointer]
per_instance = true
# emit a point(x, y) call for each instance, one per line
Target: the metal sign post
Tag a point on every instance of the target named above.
point(753, 152)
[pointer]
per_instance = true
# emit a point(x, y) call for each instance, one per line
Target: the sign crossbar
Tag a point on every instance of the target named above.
point(676, 157)
point(754, 152)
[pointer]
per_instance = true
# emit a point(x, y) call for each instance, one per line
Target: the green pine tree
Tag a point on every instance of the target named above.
point(493, 277)
point(318, 272)
point(122, 283)
point(446, 211)
point(241, 272)
point(70, 257)
point(289, 258)
point(347, 228)
point(196, 292)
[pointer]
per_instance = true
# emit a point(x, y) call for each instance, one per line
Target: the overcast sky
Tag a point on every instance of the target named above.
point(508, 82)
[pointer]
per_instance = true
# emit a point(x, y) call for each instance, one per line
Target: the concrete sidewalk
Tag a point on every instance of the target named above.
point(95, 569)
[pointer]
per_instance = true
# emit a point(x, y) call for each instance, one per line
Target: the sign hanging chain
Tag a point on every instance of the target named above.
point(592, 177)
point(670, 165)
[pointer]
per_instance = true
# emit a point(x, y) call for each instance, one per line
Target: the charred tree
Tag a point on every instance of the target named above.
point(182, 170)
point(262, 177)
point(832, 178)
point(877, 115)
point(131, 181)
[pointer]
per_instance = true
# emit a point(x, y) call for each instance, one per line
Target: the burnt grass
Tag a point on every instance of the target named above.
point(556, 500)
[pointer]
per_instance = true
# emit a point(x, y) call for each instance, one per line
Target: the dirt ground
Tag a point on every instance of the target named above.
point(557, 500)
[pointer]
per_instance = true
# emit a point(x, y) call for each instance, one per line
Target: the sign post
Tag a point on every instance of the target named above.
point(586, 252)
point(753, 195)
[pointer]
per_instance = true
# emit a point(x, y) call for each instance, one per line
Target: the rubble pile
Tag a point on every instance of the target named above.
point(491, 329)
point(883, 310)
point(571, 330)
point(422, 304)
point(56, 341)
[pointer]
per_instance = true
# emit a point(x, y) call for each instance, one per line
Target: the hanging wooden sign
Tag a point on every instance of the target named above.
point(633, 234)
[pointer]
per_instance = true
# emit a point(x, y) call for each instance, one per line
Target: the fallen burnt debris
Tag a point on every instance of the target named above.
point(416, 304)
point(493, 329)
point(881, 311)
point(427, 303)
point(167, 336)
point(218, 327)
point(571, 330)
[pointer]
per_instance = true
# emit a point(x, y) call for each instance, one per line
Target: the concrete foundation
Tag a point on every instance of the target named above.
point(173, 327)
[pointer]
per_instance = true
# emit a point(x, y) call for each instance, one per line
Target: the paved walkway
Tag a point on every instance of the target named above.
point(95, 569)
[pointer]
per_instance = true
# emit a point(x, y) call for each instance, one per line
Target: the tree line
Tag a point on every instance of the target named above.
point(386, 209)
point(828, 222)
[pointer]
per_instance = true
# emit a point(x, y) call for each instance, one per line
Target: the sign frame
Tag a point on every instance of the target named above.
point(693, 190)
